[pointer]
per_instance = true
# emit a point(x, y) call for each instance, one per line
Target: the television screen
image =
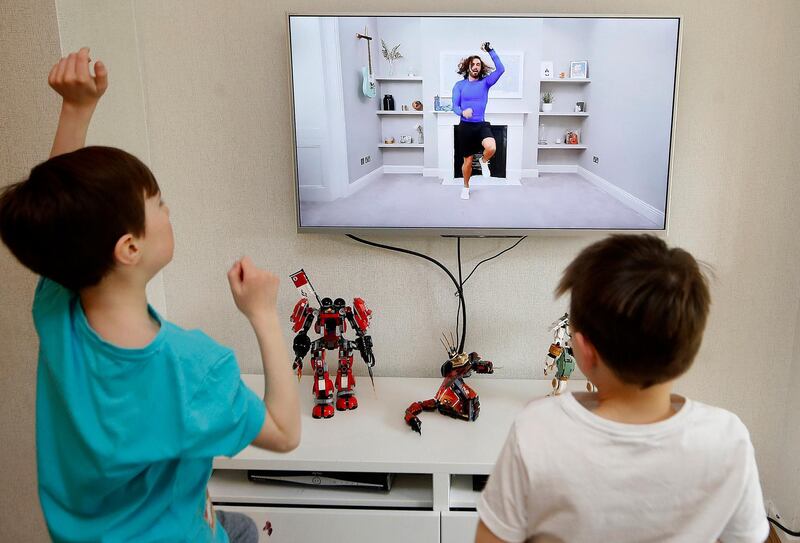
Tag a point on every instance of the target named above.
point(482, 125)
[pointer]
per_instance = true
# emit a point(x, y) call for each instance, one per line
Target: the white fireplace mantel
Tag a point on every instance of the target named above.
point(513, 120)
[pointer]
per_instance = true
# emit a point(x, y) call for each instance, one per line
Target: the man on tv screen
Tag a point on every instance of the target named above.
point(470, 96)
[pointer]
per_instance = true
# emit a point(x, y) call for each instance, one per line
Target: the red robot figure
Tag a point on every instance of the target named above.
point(330, 320)
point(454, 398)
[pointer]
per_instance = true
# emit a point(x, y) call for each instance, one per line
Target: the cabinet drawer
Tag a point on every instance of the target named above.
point(298, 525)
point(459, 526)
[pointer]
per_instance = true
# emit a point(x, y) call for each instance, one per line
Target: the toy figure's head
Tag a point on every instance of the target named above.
point(326, 304)
point(338, 304)
point(456, 361)
point(459, 360)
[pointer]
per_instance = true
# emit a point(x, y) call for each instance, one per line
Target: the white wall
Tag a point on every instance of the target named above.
point(216, 103)
point(632, 67)
point(405, 32)
point(363, 124)
point(313, 107)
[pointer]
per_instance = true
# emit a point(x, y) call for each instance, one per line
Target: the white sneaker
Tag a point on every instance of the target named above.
point(465, 193)
point(484, 168)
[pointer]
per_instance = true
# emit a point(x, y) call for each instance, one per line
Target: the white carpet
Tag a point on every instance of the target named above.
point(553, 200)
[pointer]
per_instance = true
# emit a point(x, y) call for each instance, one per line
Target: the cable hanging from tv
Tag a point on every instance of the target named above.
point(461, 315)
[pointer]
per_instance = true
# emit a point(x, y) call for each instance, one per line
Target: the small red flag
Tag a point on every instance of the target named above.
point(299, 279)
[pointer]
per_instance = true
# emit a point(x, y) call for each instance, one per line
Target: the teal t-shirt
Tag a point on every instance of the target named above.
point(125, 437)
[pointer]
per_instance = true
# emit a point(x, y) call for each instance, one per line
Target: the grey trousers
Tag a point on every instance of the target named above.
point(240, 528)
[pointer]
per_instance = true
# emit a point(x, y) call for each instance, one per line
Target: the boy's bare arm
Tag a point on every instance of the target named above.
point(70, 77)
point(485, 535)
point(255, 293)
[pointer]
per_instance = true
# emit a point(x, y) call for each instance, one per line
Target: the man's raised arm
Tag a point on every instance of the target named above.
point(492, 78)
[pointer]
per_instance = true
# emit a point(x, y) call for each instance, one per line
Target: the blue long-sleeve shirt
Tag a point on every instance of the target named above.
point(475, 94)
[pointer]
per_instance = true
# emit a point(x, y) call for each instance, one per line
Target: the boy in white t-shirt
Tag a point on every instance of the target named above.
point(631, 462)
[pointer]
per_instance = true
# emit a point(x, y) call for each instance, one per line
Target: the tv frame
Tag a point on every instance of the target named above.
point(479, 231)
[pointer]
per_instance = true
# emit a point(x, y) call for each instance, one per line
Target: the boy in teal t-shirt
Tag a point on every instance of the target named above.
point(130, 409)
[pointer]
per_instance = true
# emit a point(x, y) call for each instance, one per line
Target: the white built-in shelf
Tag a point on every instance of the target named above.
point(375, 437)
point(399, 78)
point(461, 494)
point(381, 112)
point(404, 145)
point(409, 491)
point(562, 114)
point(565, 80)
point(562, 146)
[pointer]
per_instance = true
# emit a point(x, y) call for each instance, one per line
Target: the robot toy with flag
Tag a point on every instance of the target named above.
point(330, 320)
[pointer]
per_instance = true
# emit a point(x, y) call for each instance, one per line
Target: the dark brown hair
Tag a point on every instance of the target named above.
point(463, 67)
point(641, 304)
point(64, 221)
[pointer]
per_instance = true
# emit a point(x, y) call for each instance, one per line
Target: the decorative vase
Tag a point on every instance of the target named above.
point(547, 107)
point(391, 68)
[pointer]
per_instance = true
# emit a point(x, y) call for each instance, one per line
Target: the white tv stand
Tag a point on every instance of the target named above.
point(431, 500)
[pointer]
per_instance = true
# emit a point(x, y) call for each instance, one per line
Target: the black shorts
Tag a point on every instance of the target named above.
point(470, 136)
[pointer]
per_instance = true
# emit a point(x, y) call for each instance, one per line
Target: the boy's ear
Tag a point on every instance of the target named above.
point(589, 357)
point(127, 251)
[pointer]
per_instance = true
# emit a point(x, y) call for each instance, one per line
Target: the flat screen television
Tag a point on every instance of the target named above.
point(574, 113)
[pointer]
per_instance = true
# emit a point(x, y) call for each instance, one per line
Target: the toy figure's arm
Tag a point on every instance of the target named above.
point(363, 341)
point(80, 90)
point(302, 343)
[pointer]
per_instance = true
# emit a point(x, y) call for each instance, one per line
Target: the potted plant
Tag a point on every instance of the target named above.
point(547, 101)
point(391, 55)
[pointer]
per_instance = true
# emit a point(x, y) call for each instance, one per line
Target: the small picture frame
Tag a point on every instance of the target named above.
point(580, 107)
point(547, 70)
point(578, 69)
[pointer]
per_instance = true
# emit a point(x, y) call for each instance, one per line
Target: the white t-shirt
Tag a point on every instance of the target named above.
point(568, 475)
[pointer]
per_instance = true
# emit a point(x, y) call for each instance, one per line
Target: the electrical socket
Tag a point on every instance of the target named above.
point(595, 160)
point(367, 159)
point(772, 510)
point(362, 160)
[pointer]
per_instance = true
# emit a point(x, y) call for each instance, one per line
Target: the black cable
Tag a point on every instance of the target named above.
point(782, 527)
point(491, 258)
point(429, 259)
point(460, 294)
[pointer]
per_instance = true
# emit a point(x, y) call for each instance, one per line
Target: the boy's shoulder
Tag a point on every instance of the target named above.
point(196, 351)
point(192, 353)
point(193, 342)
point(705, 425)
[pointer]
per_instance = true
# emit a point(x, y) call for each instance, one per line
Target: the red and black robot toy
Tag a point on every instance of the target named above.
point(330, 320)
point(454, 398)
